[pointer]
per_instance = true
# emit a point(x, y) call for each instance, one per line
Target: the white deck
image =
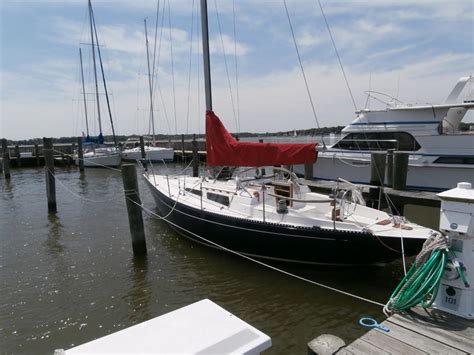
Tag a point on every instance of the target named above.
point(200, 328)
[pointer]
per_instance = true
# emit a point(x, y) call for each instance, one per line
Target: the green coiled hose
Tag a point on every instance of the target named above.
point(420, 285)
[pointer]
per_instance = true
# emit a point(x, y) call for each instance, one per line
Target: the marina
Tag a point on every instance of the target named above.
point(60, 301)
point(163, 222)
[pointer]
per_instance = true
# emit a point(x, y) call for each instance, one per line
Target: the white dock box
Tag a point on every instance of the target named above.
point(457, 210)
point(200, 328)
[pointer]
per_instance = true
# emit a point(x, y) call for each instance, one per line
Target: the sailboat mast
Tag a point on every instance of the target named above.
point(150, 84)
point(84, 92)
point(95, 68)
point(205, 54)
point(103, 80)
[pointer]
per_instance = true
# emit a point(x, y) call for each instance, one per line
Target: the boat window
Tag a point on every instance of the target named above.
point(378, 141)
point(223, 200)
point(454, 160)
point(194, 191)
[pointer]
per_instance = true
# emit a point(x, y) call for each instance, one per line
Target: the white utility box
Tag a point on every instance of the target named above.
point(200, 328)
point(457, 222)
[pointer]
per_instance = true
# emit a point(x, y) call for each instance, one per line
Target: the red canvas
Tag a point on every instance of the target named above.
point(225, 150)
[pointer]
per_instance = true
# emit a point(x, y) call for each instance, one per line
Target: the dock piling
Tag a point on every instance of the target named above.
point(389, 175)
point(377, 175)
point(80, 154)
point(308, 171)
point(49, 171)
point(37, 155)
point(263, 169)
point(195, 157)
point(142, 147)
point(400, 170)
point(6, 159)
point(18, 156)
point(325, 344)
point(182, 148)
point(135, 218)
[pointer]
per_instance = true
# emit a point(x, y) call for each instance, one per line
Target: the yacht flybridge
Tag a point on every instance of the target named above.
point(440, 154)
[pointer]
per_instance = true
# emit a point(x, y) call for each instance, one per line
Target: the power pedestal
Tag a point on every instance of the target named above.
point(457, 222)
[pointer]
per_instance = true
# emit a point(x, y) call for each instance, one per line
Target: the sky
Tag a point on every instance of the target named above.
point(411, 50)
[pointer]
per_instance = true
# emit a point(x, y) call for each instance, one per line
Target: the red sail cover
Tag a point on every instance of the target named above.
point(223, 149)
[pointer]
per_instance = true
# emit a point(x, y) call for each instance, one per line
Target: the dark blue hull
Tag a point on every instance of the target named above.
point(282, 242)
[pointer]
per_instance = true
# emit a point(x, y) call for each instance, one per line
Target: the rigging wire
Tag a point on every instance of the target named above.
point(156, 82)
point(172, 69)
point(337, 54)
point(103, 77)
point(345, 78)
point(236, 67)
point(302, 70)
point(154, 44)
point(190, 66)
point(237, 126)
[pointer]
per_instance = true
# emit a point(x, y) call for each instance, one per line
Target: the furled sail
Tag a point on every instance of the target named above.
point(223, 149)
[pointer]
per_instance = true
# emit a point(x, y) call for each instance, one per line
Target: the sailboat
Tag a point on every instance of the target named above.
point(132, 150)
point(275, 216)
point(96, 153)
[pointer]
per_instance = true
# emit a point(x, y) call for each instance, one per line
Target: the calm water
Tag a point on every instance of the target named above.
point(69, 278)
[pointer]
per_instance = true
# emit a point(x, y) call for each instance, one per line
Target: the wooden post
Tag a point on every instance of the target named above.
point(37, 154)
point(263, 169)
point(6, 159)
point(135, 218)
point(400, 170)
point(18, 156)
point(142, 147)
point(80, 154)
point(49, 171)
point(325, 344)
point(195, 157)
point(390, 167)
point(377, 175)
point(182, 148)
point(308, 171)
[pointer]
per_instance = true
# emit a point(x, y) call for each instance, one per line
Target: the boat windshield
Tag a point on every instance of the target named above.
point(378, 141)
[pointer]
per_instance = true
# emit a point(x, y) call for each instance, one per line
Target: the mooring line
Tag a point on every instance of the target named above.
point(260, 262)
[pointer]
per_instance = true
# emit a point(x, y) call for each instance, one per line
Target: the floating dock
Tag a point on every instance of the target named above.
point(417, 332)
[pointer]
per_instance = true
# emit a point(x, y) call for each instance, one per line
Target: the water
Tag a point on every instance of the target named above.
point(69, 278)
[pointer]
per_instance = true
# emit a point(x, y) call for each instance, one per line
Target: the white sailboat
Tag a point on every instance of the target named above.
point(132, 150)
point(96, 153)
point(275, 217)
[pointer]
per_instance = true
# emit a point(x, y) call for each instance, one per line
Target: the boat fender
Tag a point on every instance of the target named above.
point(257, 195)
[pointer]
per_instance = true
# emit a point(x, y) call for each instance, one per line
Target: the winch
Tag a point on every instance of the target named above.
point(456, 293)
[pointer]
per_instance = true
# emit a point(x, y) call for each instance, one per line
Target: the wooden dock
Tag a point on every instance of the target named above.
point(417, 332)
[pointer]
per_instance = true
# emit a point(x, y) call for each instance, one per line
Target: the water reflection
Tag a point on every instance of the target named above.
point(139, 293)
point(83, 184)
point(7, 189)
point(55, 231)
